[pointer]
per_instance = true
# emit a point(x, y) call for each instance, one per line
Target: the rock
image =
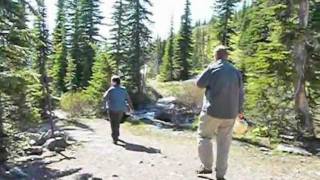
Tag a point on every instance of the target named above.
point(167, 100)
point(264, 149)
point(96, 178)
point(47, 135)
point(265, 142)
point(34, 150)
point(287, 137)
point(43, 138)
point(16, 173)
point(29, 158)
point(115, 175)
point(55, 143)
point(292, 149)
point(33, 136)
point(267, 153)
point(32, 142)
point(144, 116)
point(140, 162)
point(85, 176)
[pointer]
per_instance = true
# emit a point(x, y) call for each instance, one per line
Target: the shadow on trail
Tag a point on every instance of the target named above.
point(204, 177)
point(76, 124)
point(138, 148)
point(39, 169)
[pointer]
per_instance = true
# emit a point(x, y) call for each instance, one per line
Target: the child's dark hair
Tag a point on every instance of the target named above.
point(116, 80)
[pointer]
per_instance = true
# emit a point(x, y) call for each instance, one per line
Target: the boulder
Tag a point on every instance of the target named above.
point(55, 143)
point(167, 100)
point(34, 150)
point(292, 149)
point(47, 135)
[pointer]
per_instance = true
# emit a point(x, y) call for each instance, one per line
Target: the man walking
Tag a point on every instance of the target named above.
point(117, 101)
point(222, 103)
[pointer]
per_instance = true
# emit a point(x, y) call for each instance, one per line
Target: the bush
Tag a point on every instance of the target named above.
point(76, 103)
point(195, 124)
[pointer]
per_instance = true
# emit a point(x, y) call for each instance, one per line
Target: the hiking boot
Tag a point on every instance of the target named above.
point(203, 170)
point(115, 141)
point(220, 178)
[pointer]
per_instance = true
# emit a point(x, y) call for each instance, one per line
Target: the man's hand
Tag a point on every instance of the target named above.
point(241, 116)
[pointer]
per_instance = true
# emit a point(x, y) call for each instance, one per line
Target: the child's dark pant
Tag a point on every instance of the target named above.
point(115, 119)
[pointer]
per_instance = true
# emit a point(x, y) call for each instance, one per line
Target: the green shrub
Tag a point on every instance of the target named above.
point(76, 103)
point(195, 124)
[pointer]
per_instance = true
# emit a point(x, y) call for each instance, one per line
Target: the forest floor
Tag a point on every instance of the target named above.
point(150, 153)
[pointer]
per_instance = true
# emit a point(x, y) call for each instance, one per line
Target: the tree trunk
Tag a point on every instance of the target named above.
point(1, 119)
point(3, 150)
point(301, 59)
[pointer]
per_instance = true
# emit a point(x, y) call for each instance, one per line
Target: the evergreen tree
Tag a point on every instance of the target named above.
point(18, 84)
point(199, 56)
point(119, 44)
point(84, 33)
point(167, 66)
point(90, 19)
point(265, 63)
point(41, 59)
point(313, 75)
point(225, 9)
point(139, 41)
point(183, 48)
point(103, 69)
point(76, 44)
point(70, 79)
point(158, 52)
point(59, 53)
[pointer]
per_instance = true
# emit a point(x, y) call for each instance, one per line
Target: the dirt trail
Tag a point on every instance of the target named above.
point(148, 155)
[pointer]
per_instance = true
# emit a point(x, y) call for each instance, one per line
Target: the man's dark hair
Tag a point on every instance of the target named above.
point(116, 80)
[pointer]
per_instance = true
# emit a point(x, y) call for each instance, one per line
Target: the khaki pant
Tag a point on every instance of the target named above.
point(222, 128)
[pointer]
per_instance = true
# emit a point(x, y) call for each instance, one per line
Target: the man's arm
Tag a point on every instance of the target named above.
point(203, 80)
point(241, 95)
point(105, 97)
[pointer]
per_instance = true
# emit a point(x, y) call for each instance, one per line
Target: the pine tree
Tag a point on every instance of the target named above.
point(85, 19)
point(103, 69)
point(42, 51)
point(139, 40)
point(158, 49)
point(59, 53)
point(41, 61)
point(183, 46)
point(225, 9)
point(313, 75)
point(199, 57)
point(119, 44)
point(167, 66)
point(90, 19)
point(17, 81)
point(75, 44)
point(70, 79)
point(265, 63)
